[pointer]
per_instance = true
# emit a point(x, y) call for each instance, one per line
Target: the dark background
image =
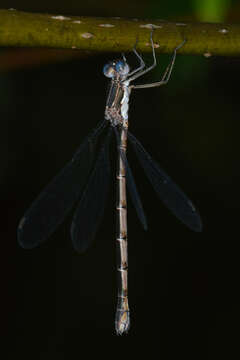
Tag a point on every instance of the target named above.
point(182, 285)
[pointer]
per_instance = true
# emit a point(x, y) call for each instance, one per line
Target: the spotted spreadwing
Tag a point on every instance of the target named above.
point(86, 178)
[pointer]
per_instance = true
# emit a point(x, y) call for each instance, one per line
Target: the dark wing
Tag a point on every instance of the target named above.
point(90, 210)
point(171, 195)
point(57, 199)
point(132, 188)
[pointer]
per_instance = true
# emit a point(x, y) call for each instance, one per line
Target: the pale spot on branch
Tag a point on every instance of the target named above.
point(150, 26)
point(207, 54)
point(106, 25)
point(223, 31)
point(60, 17)
point(87, 35)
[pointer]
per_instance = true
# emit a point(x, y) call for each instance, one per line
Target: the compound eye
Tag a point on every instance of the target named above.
point(122, 67)
point(109, 70)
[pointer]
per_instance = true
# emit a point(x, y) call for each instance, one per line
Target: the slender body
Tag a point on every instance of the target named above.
point(117, 113)
point(122, 317)
point(87, 178)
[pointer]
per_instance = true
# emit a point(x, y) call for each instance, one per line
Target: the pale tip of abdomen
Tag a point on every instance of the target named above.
point(122, 322)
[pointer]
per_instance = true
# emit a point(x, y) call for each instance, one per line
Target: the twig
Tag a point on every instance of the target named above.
point(20, 29)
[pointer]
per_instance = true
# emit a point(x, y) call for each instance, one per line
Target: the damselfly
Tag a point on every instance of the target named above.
point(87, 176)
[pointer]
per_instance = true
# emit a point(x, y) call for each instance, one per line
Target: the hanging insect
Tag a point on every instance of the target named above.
point(87, 176)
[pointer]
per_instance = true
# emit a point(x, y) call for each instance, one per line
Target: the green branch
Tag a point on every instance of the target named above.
point(22, 29)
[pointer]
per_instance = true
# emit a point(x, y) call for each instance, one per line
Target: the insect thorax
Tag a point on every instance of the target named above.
point(117, 104)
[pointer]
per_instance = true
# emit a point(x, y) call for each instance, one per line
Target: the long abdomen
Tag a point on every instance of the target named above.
point(122, 318)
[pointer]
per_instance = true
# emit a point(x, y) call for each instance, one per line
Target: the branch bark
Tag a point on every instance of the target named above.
point(21, 29)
